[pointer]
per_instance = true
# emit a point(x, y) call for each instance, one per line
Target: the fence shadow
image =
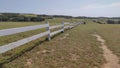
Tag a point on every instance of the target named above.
point(21, 53)
point(28, 49)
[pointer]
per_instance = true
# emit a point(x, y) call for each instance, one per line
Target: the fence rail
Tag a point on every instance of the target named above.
point(7, 47)
point(21, 29)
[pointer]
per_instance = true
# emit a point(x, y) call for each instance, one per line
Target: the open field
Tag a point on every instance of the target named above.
point(11, 38)
point(59, 33)
point(76, 48)
point(111, 34)
point(5, 25)
point(15, 37)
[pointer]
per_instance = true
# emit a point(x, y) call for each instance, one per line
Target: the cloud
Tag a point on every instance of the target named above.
point(98, 6)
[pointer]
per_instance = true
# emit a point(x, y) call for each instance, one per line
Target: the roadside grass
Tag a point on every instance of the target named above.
point(75, 48)
point(15, 37)
point(5, 25)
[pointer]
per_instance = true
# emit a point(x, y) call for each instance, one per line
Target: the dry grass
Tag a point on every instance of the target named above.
point(78, 50)
point(111, 33)
point(5, 25)
point(15, 37)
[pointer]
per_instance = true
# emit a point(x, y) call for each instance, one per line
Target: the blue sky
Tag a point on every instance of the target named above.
point(63, 7)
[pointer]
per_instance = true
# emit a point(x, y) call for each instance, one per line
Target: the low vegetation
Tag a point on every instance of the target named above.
point(15, 37)
point(75, 48)
point(6, 25)
point(17, 17)
point(113, 22)
point(111, 34)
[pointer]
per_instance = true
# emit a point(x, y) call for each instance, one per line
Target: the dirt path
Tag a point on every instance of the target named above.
point(112, 60)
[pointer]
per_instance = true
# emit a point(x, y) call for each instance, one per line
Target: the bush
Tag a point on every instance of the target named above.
point(111, 22)
point(99, 22)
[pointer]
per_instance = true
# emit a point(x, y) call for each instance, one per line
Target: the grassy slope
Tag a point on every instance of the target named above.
point(78, 50)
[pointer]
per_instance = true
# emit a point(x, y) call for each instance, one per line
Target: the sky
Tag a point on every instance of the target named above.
point(93, 8)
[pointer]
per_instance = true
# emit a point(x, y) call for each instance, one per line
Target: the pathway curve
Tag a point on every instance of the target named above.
point(112, 59)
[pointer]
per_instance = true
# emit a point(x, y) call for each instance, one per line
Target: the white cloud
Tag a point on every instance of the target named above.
point(97, 6)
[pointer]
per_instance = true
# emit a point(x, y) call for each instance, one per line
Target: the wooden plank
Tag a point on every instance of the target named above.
point(48, 29)
point(66, 27)
point(56, 32)
point(13, 45)
point(66, 23)
point(56, 26)
point(21, 29)
point(63, 27)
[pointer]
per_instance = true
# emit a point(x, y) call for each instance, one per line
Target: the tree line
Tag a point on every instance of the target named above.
point(16, 17)
point(113, 22)
point(19, 17)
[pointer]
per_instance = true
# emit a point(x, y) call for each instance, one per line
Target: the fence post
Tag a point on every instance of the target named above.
point(48, 29)
point(63, 26)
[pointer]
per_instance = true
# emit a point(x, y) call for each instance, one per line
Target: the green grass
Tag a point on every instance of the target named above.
point(54, 21)
point(15, 37)
point(29, 15)
point(111, 33)
point(6, 25)
point(78, 50)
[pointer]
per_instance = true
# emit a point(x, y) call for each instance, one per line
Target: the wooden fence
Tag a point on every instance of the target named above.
point(7, 47)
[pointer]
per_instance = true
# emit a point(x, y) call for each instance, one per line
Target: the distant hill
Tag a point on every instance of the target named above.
point(20, 17)
point(27, 17)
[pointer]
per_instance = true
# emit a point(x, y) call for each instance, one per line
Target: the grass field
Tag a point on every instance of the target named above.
point(111, 34)
point(5, 25)
point(54, 21)
point(15, 37)
point(76, 48)
point(11, 38)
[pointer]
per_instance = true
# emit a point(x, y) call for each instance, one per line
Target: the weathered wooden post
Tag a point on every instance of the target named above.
point(63, 27)
point(48, 29)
